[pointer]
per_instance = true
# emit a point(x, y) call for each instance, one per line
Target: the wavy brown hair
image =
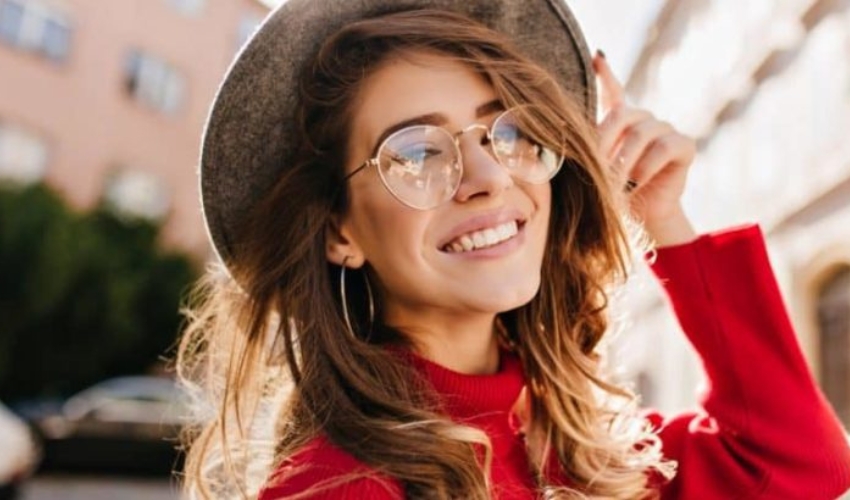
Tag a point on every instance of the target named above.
point(268, 353)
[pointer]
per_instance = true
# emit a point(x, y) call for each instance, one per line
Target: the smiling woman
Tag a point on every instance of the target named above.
point(421, 225)
point(490, 276)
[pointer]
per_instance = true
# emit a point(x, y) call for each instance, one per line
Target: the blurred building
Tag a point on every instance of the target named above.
point(106, 100)
point(764, 85)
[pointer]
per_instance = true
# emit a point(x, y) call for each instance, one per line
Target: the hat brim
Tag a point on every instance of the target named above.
point(248, 138)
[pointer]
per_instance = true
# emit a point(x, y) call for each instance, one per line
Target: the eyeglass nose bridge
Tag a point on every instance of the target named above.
point(487, 133)
point(470, 128)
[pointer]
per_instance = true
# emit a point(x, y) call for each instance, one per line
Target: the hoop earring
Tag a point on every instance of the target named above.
point(345, 301)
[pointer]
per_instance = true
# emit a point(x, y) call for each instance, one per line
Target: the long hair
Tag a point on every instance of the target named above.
point(268, 352)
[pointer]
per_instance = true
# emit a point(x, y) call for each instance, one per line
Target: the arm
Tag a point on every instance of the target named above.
point(767, 431)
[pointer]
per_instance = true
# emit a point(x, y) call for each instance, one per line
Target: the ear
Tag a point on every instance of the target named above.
point(340, 244)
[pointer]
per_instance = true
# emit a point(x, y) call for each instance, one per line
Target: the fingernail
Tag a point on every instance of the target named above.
point(600, 53)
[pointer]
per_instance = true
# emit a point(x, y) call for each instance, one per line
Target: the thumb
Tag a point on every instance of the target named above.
point(611, 93)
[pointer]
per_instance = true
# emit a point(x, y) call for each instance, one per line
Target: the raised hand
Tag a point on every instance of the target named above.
point(651, 160)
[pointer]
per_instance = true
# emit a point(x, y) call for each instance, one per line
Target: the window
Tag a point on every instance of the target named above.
point(11, 19)
point(154, 82)
point(645, 388)
point(247, 25)
point(56, 40)
point(188, 7)
point(32, 26)
point(834, 323)
point(138, 194)
point(23, 156)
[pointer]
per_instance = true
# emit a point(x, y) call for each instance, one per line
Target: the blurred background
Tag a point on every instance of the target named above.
point(102, 105)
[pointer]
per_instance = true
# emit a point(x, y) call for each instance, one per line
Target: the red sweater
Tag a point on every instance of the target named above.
point(764, 430)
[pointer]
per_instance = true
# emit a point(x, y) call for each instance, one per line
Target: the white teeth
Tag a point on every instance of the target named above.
point(484, 238)
point(466, 243)
point(479, 239)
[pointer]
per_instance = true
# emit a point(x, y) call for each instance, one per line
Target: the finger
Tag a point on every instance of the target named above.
point(638, 139)
point(611, 92)
point(665, 154)
point(615, 125)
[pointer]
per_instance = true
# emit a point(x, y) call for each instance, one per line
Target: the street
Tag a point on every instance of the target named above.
point(68, 487)
point(72, 487)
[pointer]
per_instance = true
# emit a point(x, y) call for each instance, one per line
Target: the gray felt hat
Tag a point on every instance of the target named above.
point(249, 139)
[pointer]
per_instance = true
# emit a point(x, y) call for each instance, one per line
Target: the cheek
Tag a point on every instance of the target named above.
point(388, 233)
point(545, 197)
point(393, 242)
point(541, 197)
point(539, 194)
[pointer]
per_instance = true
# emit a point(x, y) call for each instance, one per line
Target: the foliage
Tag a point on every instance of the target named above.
point(83, 296)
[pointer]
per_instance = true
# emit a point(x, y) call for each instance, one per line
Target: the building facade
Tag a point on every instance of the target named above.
point(764, 86)
point(106, 100)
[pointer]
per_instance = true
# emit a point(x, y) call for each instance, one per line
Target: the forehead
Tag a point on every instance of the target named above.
point(411, 84)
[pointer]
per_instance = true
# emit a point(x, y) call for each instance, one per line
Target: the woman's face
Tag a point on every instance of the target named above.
point(415, 252)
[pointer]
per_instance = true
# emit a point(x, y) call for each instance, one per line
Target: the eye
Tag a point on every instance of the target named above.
point(512, 139)
point(417, 152)
point(431, 152)
point(412, 159)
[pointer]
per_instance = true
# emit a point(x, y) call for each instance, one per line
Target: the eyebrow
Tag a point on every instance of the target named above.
point(437, 119)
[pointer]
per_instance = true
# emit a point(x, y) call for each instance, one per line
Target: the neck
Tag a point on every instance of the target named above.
point(465, 344)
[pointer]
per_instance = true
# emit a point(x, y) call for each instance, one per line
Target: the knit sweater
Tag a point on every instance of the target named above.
point(763, 431)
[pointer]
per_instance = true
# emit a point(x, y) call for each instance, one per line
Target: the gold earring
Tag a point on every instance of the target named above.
point(345, 301)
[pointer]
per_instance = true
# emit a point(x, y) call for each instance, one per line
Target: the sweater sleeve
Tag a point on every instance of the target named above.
point(324, 472)
point(765, 431)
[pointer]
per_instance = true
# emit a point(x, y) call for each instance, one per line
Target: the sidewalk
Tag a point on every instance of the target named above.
point(67, 487)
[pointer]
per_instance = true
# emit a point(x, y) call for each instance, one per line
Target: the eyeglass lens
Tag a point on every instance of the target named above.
point(421, 165)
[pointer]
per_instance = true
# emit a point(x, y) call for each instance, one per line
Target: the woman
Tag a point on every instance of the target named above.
point(422, 225)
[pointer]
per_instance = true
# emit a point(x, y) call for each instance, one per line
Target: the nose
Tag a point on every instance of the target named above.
point(483, 174)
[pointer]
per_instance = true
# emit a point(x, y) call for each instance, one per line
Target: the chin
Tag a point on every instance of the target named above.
point(507, 297)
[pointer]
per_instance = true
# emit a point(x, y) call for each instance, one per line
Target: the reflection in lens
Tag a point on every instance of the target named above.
point(524, 157)
point(419, 166)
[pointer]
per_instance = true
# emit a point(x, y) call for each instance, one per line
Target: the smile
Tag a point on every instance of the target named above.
point(483, 238)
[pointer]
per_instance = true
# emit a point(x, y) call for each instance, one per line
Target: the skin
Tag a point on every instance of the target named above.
point(447, 302)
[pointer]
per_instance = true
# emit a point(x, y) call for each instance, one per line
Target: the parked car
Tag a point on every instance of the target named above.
point(19, 455)
point(120, 425)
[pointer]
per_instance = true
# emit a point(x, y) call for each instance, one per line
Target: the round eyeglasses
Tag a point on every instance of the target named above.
point(422, 167)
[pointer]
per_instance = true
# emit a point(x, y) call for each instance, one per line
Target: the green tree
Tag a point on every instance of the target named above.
point(83, 296)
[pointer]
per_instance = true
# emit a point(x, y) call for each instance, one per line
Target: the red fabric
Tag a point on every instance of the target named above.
point(764, 431)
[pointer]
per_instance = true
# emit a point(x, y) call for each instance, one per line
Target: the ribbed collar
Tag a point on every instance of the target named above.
point(468, 396)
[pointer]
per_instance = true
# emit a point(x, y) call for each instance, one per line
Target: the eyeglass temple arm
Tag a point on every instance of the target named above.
point(358, 169)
